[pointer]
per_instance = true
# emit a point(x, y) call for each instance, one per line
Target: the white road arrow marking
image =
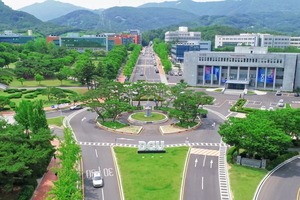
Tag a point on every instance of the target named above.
point(83, 119)
point(196, 161)
point(211, 162)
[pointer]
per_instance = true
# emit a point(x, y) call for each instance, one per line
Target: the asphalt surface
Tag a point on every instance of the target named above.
point(202, 177)
point(283, 183)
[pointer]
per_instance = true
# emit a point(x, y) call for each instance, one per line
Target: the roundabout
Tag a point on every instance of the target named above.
point(142, 118)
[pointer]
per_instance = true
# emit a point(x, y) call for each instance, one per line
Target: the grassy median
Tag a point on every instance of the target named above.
point(57, 121)
point(151, 176)
point(244, 181)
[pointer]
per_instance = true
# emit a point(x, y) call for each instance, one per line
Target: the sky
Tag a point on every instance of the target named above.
point(92, 4)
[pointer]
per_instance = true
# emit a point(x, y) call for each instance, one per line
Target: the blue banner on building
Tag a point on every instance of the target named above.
point(207, 73)
point(270, 76)
point(261, 76)
point(216, 73)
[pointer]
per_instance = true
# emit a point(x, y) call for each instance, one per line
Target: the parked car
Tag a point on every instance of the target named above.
point(297, 95)
point(278, 94)
point(280, 104)
point(271, 109)
point(75, 107)
point(97, 180)
point(263, 108)
point(203, 115)
point(171, 73)
point(141, 74)
point(156, 70)
point(179, 73)
point(175, 74)
point(280, 101)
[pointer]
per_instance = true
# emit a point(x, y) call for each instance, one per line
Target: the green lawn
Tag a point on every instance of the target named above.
point(57, 121)
point(45, 83)
point(141, 116)
point(218, 90)
point(244, 181)
point(186, 125)
point(151, 176)
point(113, 125)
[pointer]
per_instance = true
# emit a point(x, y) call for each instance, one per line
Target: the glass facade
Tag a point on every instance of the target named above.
point(95, 43)
point(16, 39)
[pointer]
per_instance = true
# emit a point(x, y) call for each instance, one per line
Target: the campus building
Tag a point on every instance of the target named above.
point(246, 67)
point(16, 38)
point(177, 51)
point(104, 41)
point(252, 39)
point(295, 42)
point(182, 35)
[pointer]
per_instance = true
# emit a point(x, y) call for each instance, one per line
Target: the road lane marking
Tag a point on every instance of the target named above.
point(96, 153)
point(298, 195)
point(211, 162)
point(196, 161)
point(204, 160)
point(202, 182)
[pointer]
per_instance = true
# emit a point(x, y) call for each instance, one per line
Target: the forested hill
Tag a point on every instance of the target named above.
point(83, 19)
point(12, 20)
point(125, 18)
point(229, 7)
point(50, 9)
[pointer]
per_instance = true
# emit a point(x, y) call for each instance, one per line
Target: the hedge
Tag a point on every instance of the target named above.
point(69, 91)
point(280, 159)
point(15, 96)
point(10, 91)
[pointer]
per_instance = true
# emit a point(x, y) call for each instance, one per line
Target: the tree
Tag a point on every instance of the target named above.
point(66, 187)
point(61, 76)
point(21, 80)
point(23, 111)
point(39, 78)
point(84, 71)
point(3, 102)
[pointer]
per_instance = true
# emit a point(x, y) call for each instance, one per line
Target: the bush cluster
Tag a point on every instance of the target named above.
point(64, 101)
point(130, 64)
point(6, 79)
point(280, 159)
point(230, 157)
point(238, 107)
point(69, 91)
point(12, 105)
point(11, 91)
point(15, 96)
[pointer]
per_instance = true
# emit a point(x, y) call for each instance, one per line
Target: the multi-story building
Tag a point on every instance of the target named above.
point(295, 42)
point(15, 38)
point(253, 39)
point(182, 35)
point(104, 41)
point(178, 49)
point(246, 67)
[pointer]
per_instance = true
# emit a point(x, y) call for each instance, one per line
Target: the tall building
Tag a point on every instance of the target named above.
point(252, 39)
point(246, 67)
point(182, 35)
point(15, 38)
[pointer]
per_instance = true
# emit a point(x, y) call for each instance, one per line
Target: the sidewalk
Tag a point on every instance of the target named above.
point(46, 181)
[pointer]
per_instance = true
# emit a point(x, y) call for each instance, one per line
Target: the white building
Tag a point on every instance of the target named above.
point(183, 35)
point(295, 42)
point(252, 39)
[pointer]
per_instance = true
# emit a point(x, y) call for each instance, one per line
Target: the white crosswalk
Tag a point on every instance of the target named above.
point(208, 152)
point(295, 101)
point(135, 145)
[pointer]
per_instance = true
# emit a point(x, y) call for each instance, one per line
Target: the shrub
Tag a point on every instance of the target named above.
point(15, 96)
point(64, 101)
point(27, 91)
point(69, 91)
point(230, 153)
point(12, 105)
point(10, 91)
point(27, 191)
point(280, 159)
point(29, 96)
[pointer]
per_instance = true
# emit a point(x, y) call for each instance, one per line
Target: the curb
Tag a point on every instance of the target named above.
point(184, 174)
point(118, 174)
point(259, 187)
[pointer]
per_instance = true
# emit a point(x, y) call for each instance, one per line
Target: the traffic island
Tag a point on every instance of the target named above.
point(142, 118)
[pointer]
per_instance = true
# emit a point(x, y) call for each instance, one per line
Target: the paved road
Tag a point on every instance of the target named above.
point(202, 175)
point(99, 159)
point(283, 183)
